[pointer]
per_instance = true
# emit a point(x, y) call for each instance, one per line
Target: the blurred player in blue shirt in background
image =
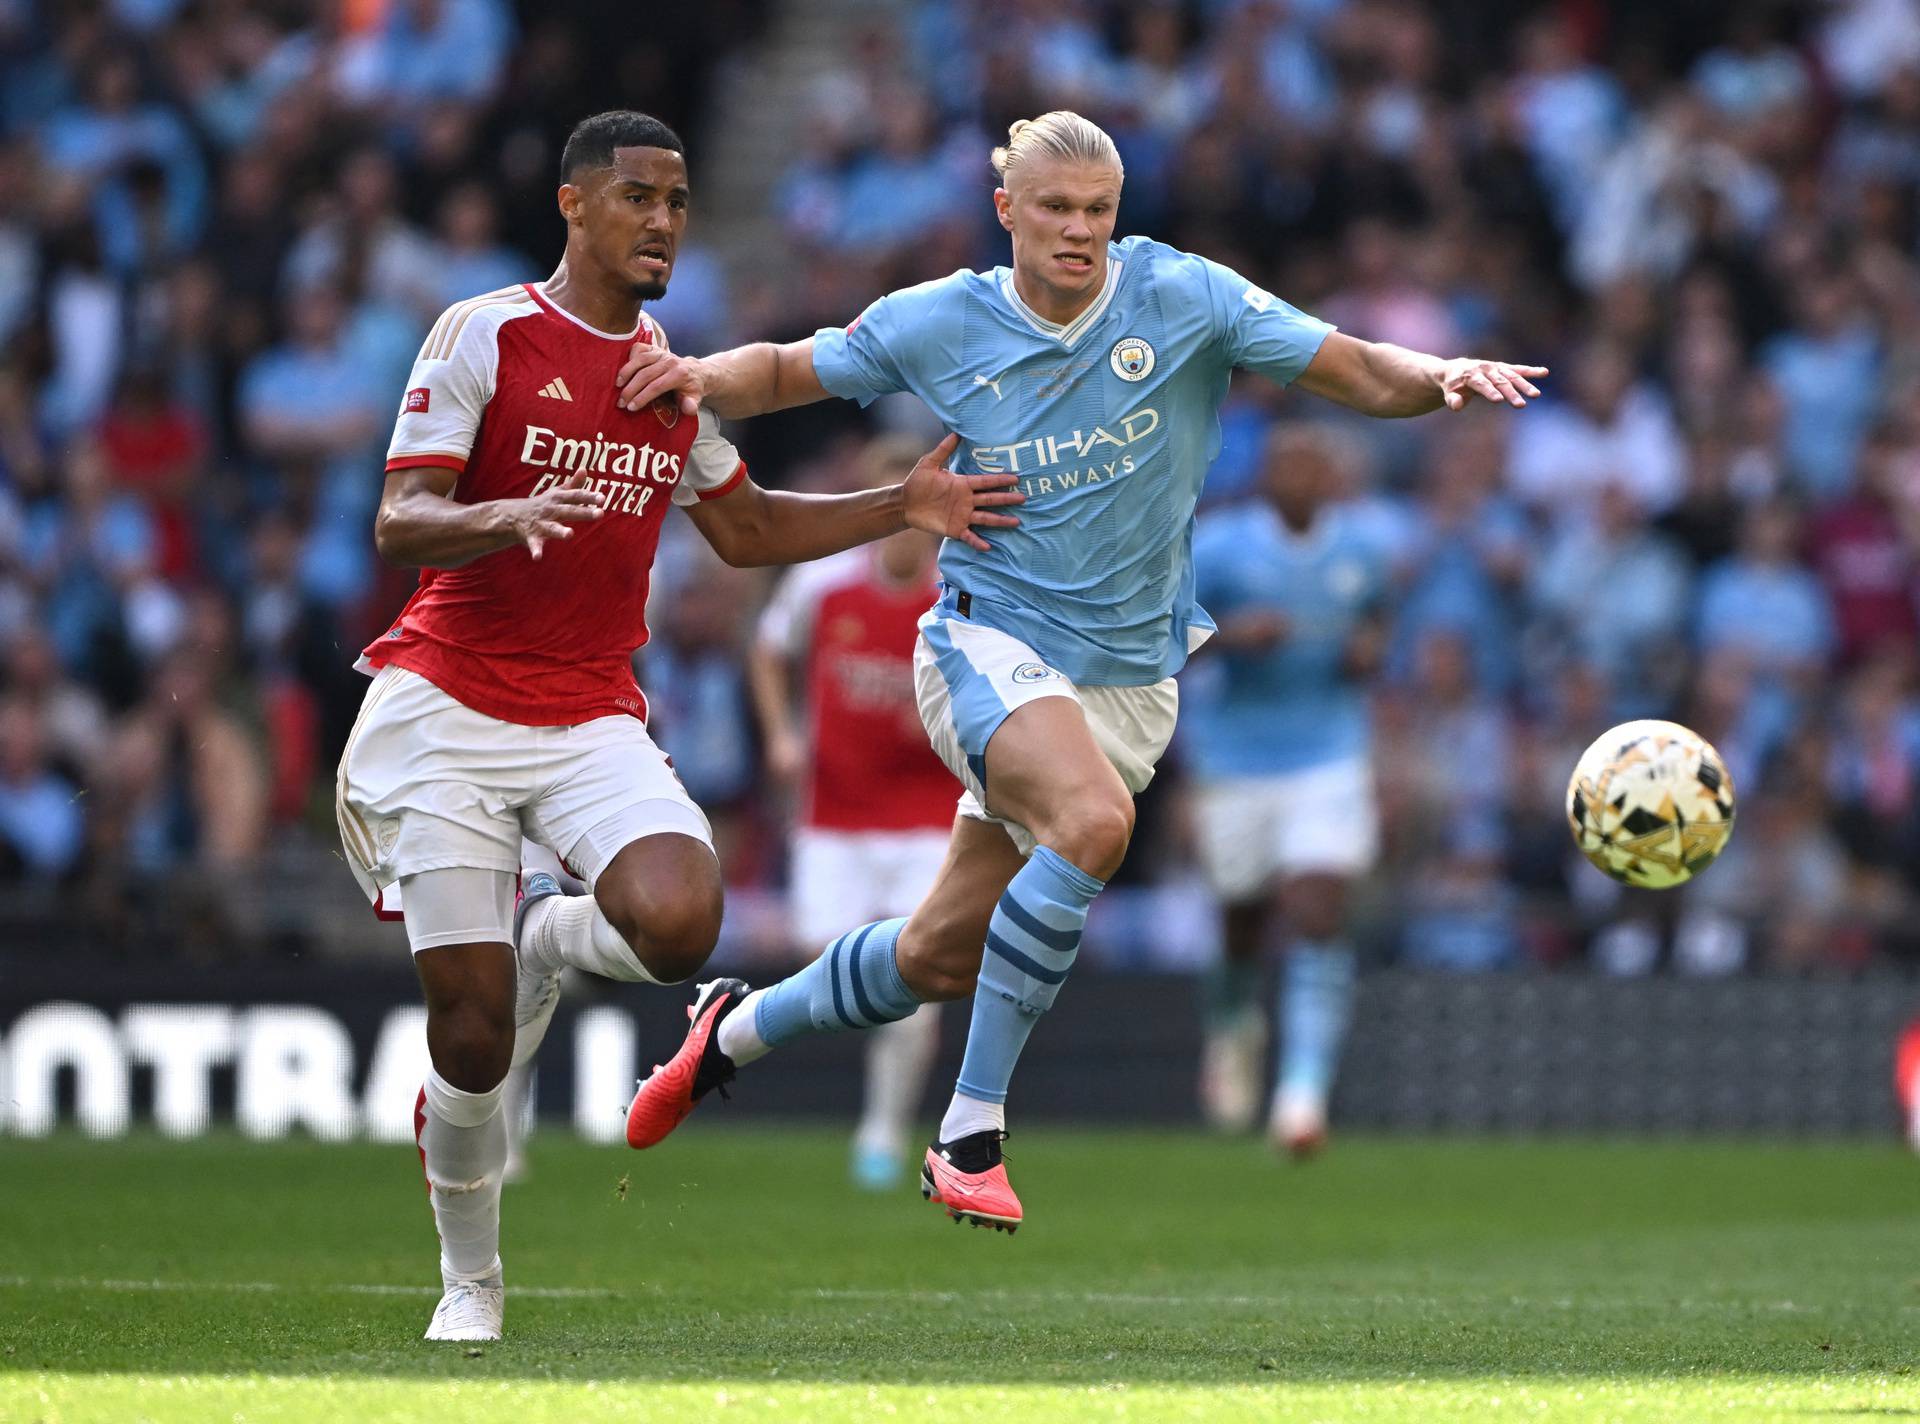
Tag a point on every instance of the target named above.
point(1276, 734)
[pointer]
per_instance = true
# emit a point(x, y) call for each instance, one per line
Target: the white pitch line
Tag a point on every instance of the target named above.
point(1124, 1298)
point(277, 1287)
point(1565, 1303)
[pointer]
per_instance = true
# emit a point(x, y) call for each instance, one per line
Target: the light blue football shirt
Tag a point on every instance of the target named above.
point(1293, 706)
point(1110, 421)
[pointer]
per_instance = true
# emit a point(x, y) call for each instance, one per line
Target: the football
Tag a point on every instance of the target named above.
point(1651, 804)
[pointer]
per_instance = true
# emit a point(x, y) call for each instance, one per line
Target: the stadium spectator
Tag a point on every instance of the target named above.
point(136, 159)
point(695, 678)
point(1831, 360)
point(1613, 593)
point(1447, 822)
point(71, 716)
point(42, 829)
point(187, 776)
point(1761, 602)
point(1609, 430)
point(1468, 559)
point(1863, 551)
point(469, 257)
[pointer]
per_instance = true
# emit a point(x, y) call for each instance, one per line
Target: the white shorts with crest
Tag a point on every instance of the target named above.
point(427, 783)
point(969, 678)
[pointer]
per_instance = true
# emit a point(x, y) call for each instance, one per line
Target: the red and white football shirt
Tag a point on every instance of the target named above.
point(518, 395)
point(854, 630)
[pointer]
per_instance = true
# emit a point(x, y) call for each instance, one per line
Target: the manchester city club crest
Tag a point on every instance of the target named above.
point(1132, 359)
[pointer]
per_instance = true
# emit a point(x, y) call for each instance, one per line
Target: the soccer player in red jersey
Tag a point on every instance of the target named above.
point(503, 697)
point(875, 803)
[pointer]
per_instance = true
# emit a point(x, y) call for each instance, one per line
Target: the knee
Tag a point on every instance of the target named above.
point(1317, 922)
point(672, 933)
point(1316, 908)
point(1092, 831)
point(472, 1045)
point(940, 960)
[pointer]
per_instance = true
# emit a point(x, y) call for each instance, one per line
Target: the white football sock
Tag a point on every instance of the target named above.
point(463, 1139)
point(569, 932)
point(899, 1056)
point(740, 1036)
point(966, 1116)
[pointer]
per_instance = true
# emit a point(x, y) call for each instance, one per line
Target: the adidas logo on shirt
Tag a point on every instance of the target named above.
point(556, 389)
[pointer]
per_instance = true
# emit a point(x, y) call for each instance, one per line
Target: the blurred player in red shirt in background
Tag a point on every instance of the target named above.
point(875, 804)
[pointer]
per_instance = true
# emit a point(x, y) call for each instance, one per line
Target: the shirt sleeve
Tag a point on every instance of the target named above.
point(447, 392)
point(1259, 331)
point(783, 619)
point(786, 623)
point(714, 467)
point(871, 356)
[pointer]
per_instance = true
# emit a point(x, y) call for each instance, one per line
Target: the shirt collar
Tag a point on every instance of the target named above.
point(1069, 333)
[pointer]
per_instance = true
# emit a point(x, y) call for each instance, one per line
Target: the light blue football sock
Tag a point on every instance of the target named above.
point(1031, 943)
point(855, 984)
point(1316, 1002)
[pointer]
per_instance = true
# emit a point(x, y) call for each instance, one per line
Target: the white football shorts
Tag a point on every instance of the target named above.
point(968, 678)
point(1317, 821)
point(427, 783)
point(840, 879)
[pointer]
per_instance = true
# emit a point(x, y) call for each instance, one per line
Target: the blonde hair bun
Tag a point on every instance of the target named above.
point(1060, 134)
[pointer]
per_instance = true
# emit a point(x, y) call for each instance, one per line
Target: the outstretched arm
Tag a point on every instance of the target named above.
point(421, 526)
point(1377, 378)
point(748, 380)
point(752, 526)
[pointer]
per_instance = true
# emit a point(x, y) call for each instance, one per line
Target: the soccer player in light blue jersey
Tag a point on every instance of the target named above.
point(1276, 734)
point(1093, 371)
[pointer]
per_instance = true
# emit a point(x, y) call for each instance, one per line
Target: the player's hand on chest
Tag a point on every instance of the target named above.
point(563, 419)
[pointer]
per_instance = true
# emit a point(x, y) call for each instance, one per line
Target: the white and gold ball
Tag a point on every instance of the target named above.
point(1651, 804)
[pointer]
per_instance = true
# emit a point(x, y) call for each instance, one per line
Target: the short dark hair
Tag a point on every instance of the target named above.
point(593, 140)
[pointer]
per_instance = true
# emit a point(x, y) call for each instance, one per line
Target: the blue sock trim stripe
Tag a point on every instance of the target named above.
point(1075, 877)
point(1028, 923)
point(860, 999)
point(978, 766)
point(833, 977)
point(1025, 964)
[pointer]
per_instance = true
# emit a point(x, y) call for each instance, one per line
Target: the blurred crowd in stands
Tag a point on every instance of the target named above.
point(225, 226)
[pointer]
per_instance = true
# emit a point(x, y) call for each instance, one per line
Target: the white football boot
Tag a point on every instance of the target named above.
point(1298, 1125)
point(1233, 1071)
point(470, 1310)
point(536, 995)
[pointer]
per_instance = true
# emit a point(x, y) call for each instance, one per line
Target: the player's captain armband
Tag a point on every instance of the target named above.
point(713, 468)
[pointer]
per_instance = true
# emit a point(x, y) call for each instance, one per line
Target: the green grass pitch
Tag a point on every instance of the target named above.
point(732, 1275)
